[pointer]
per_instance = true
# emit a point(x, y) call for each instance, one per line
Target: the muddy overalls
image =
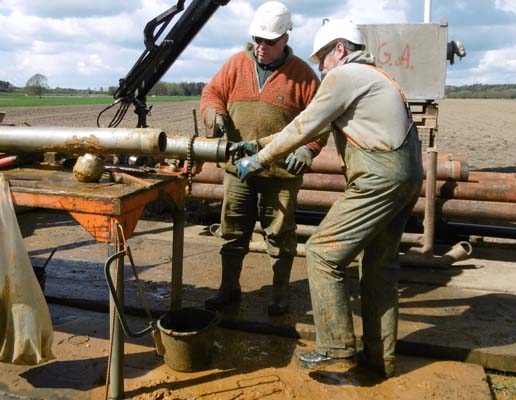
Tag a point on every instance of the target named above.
point(366, 222)
point(380, 149)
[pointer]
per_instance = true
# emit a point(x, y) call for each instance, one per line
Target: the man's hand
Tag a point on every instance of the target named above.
point(248, 166)
point(300, 160)
point(242, 149)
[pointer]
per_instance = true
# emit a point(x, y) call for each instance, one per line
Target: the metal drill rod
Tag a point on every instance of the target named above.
point(136, 141)
point(203, 149)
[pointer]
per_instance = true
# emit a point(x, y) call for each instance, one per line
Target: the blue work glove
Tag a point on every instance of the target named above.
point(300, 160)
point(248, 166)
point(242, 149)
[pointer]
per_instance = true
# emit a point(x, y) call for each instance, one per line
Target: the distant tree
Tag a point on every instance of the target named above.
point(6, 86)
point(159, 89)
point(173, 89)
point(36, 85)
point(199, 86)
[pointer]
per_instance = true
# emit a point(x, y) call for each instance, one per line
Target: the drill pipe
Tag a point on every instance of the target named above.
point(429, 214)
point(482, 176)
point(328, 162)
point(470, 230)
point(305, 231)
point(458, 252)
point(311, 181)
point(23, 139)
point(318, 200)
point(326, 168)
point(503, 191)
point(203, 149)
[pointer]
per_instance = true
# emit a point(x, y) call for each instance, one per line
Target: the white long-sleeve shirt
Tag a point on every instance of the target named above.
point(360, 101)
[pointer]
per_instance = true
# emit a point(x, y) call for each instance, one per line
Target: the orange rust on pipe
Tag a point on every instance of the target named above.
point(333, 183)
point(450, 169)
point(210, 174)
point(503, 191)
point(75, 143)
point(481, 176)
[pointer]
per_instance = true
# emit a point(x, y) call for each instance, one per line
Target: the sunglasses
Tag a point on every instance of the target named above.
point(268, 42)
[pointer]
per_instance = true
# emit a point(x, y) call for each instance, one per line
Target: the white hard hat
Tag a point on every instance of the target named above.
point(271, 20)
point(333, 30)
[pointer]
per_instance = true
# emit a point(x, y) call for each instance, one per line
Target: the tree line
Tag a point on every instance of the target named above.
point(481, 91)
point(37, 85)
point(176, 89)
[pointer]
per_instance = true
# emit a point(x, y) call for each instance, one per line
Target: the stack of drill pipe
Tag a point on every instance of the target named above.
point(469, 196)
point(328, 162)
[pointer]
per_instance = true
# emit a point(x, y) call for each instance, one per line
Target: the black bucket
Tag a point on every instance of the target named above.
point(187, 335)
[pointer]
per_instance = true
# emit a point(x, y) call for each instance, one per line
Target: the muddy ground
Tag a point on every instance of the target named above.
point(483, 131)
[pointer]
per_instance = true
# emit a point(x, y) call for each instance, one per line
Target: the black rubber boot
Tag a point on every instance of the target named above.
point(229, 291)
point(281, 267)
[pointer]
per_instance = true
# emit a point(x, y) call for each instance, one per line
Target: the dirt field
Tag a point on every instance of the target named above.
point(483, 131)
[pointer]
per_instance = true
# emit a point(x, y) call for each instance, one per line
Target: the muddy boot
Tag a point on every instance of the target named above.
point(385, 368)
point(229, 291)
point(313, 359)
point(281, 268)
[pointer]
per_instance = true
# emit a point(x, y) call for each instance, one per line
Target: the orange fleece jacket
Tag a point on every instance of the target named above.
point(234, 91)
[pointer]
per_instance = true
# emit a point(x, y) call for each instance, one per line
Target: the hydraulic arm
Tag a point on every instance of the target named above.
point(157, 58)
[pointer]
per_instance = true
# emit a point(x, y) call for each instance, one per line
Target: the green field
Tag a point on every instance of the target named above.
point(20, 100)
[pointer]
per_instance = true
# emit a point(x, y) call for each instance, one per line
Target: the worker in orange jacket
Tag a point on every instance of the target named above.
point(256, 93)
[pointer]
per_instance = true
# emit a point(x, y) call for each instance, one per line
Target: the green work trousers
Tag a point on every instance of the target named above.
point(272, 201)
point(367, 221)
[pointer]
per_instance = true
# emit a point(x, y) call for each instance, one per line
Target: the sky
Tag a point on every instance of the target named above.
point(93, 43)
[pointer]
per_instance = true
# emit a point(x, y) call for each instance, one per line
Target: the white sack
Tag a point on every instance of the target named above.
point(26, 331)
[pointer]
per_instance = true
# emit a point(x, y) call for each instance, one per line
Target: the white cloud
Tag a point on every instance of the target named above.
point(374, 11)
point(71, 68)
point(93, 43)
point(496, 66)
point(67, 8)
point(506, 5)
